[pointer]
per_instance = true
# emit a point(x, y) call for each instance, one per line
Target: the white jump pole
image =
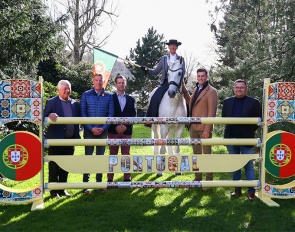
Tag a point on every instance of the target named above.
point(153, 184)
point(151, 120)
point(150, 142)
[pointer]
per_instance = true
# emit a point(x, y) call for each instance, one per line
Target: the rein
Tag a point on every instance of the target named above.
point(173, 82)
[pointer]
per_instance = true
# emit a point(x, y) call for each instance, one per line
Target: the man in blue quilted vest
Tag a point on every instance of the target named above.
point(96, 103)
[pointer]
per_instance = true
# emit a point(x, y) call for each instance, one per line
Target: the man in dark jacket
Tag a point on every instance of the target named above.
point(61, 106)
point(241, 105)
point(124, 107)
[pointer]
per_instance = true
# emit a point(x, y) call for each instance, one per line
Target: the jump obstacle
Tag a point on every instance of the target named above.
point(21, 153)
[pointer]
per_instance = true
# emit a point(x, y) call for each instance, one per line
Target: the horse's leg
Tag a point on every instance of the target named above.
point(155, 127)
point(155, 135)
point(178, 133)
point(164, 132)
point(180, 112)
point(170, 136)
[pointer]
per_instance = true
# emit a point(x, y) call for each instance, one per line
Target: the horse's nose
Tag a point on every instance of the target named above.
point(171, 93)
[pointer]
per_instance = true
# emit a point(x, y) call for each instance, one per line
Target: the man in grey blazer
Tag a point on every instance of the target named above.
point(162, 67)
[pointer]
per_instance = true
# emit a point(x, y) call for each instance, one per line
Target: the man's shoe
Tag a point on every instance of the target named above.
point(236, 193)
point(110, 181)
point(127, 180)
point(54, 195)
point(86, 191)
point(159, 174)
point(102, 190)
point(251, 196)
point(64, 193)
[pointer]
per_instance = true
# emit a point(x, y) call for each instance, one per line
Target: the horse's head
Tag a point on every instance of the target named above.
point(175, 74)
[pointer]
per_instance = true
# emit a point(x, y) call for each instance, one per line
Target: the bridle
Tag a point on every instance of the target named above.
point(178, 85)
point(173, 82)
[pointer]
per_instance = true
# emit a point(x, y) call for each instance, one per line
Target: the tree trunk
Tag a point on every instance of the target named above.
point(76, 47)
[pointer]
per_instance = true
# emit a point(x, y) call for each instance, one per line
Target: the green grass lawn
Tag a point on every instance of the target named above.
point(149, 209)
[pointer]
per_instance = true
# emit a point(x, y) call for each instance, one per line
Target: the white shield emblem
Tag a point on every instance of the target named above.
point(280, 155)
point(15, 156)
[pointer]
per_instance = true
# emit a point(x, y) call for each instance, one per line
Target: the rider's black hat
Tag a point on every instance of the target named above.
point(173, 41)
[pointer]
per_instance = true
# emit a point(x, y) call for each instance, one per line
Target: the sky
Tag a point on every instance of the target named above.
point(187, 21)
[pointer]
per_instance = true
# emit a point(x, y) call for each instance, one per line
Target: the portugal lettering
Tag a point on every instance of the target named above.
point(151, 163)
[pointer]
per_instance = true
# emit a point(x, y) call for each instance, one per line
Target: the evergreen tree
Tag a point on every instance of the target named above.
point(53, 70)
point(148, 52)
point(27, 36)
point(256, 40)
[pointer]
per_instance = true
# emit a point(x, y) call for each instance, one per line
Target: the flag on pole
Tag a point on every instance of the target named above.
point(103, 63)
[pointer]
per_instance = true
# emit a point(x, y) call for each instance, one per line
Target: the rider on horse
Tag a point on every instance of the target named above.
point(162, 67)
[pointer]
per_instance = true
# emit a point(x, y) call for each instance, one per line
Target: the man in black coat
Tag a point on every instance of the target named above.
point(241, 105)
point(61, 106)
point(124, 107)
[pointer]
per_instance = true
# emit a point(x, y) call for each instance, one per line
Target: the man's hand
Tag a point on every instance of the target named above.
point(183, 86)
point(121, 129)
point(205, 134)
point(144, 69)
point(97, 130)
point(53, 117)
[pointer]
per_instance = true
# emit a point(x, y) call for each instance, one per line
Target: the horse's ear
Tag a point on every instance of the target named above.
point(180, 59)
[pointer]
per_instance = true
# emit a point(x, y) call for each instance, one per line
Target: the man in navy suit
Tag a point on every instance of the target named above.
point(61, 106)
point(241, 105)
point(124, 107)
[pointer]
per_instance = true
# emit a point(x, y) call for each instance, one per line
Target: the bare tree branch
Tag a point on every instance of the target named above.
point(85, 20)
